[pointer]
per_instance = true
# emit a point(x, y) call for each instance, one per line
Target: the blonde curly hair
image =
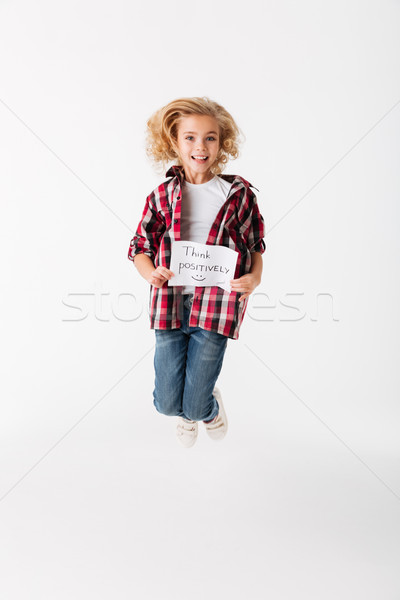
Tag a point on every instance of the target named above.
point(162, 129)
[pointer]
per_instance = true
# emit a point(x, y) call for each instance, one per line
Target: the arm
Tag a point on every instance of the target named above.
point(247, 283)
point(254, 231)
point(256, 266)
point(145, 243)
point(155, 276)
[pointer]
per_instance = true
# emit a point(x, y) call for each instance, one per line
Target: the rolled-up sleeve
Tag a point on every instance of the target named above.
point(253, 226)
point(147, 236)
point(256, 232)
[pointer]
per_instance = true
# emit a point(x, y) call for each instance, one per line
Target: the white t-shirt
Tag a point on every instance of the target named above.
point(200, 205)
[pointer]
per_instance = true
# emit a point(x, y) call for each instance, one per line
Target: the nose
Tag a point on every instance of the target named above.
point(200, 148)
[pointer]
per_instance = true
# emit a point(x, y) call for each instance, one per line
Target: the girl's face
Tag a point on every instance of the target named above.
point(198, 136)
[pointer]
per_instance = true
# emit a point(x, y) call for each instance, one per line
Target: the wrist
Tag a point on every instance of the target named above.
point(256, 277)
point(144, 265)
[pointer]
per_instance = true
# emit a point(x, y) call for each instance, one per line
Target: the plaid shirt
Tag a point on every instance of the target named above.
point(239, 225)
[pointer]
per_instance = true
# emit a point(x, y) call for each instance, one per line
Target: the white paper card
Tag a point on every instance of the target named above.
point(201, 264)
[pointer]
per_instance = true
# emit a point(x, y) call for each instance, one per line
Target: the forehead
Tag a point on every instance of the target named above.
point(198, 124)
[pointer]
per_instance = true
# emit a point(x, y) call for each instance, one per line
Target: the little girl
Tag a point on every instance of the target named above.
point(196, 203)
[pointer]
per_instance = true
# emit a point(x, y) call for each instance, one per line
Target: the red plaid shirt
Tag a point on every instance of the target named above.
point(239, 225)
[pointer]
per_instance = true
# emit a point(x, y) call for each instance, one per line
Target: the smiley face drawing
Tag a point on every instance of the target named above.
point(198, 279)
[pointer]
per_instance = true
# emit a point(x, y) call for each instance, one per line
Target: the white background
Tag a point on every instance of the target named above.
point(301, 500)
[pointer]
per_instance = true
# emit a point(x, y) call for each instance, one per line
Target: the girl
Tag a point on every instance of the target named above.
point(197, 202)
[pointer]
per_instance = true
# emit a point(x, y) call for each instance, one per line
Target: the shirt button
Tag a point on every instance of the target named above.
point(175, 220)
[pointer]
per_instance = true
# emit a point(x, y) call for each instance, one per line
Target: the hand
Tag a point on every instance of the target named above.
point(159, 276)
point(247, 283)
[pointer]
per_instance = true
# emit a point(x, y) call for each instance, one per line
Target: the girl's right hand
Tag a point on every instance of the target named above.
point(159, 276)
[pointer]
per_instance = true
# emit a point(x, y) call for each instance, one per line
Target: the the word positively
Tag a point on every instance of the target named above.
point(200, 264)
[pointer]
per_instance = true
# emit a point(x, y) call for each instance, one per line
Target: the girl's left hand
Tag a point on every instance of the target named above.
point(247, 283)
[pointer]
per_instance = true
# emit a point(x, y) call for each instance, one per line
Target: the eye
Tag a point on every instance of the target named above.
point(210, 137)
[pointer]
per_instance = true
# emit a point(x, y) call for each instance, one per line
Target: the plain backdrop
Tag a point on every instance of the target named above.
point(301, 500)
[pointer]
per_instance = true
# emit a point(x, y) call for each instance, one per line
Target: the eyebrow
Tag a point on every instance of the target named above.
point(196, 132)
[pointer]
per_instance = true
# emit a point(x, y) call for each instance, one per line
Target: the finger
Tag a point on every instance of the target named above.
point(166, 272)
point(158, 279)
point(161, 271)
point(157, 274)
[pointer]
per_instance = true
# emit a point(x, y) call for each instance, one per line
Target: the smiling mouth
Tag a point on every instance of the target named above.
point(200, 160)
point(202, 279)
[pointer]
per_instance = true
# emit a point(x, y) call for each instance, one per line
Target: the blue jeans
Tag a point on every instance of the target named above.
point(187, 362)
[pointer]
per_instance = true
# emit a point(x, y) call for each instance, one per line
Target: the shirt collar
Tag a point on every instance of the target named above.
point(175, 170)
point(178, 171)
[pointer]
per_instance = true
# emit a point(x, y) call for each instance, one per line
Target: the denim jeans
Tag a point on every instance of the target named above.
point(187, 362)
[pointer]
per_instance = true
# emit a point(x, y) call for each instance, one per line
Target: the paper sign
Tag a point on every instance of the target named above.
point(200, 264)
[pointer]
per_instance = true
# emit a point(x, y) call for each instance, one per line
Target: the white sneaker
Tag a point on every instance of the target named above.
point(218, 427)
point(186, 431)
